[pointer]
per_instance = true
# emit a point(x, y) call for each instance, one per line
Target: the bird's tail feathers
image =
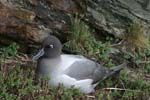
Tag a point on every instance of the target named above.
point(115, 69)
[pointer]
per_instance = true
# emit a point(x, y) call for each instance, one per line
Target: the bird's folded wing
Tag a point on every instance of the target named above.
point(82, 69)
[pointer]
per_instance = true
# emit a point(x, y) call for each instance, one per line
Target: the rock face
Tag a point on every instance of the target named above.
point(115, 15)
point(30, 21)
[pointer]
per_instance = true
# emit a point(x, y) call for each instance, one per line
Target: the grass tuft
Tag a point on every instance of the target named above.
point(135, 36)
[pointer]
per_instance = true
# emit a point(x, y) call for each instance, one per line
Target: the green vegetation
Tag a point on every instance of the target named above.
point(17, 76)
point(9, 51)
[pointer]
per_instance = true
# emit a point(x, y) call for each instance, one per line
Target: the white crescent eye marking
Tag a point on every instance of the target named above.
point(51, 46)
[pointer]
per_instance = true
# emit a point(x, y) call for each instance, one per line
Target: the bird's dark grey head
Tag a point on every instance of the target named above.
point(51, 48)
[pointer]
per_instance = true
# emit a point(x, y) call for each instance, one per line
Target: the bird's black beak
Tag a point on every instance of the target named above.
point(38, 55)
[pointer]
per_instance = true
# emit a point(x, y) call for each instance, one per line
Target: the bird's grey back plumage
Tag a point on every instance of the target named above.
point(82, 69)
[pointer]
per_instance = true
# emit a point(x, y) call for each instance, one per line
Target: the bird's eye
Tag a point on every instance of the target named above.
point(49, 46)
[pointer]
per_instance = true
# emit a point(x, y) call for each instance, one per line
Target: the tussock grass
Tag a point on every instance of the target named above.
point(135, 36)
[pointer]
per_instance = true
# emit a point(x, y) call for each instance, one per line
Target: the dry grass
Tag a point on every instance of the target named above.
point(135, 38)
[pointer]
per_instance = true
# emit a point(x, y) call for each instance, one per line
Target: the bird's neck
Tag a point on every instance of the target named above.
point(48, 66)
